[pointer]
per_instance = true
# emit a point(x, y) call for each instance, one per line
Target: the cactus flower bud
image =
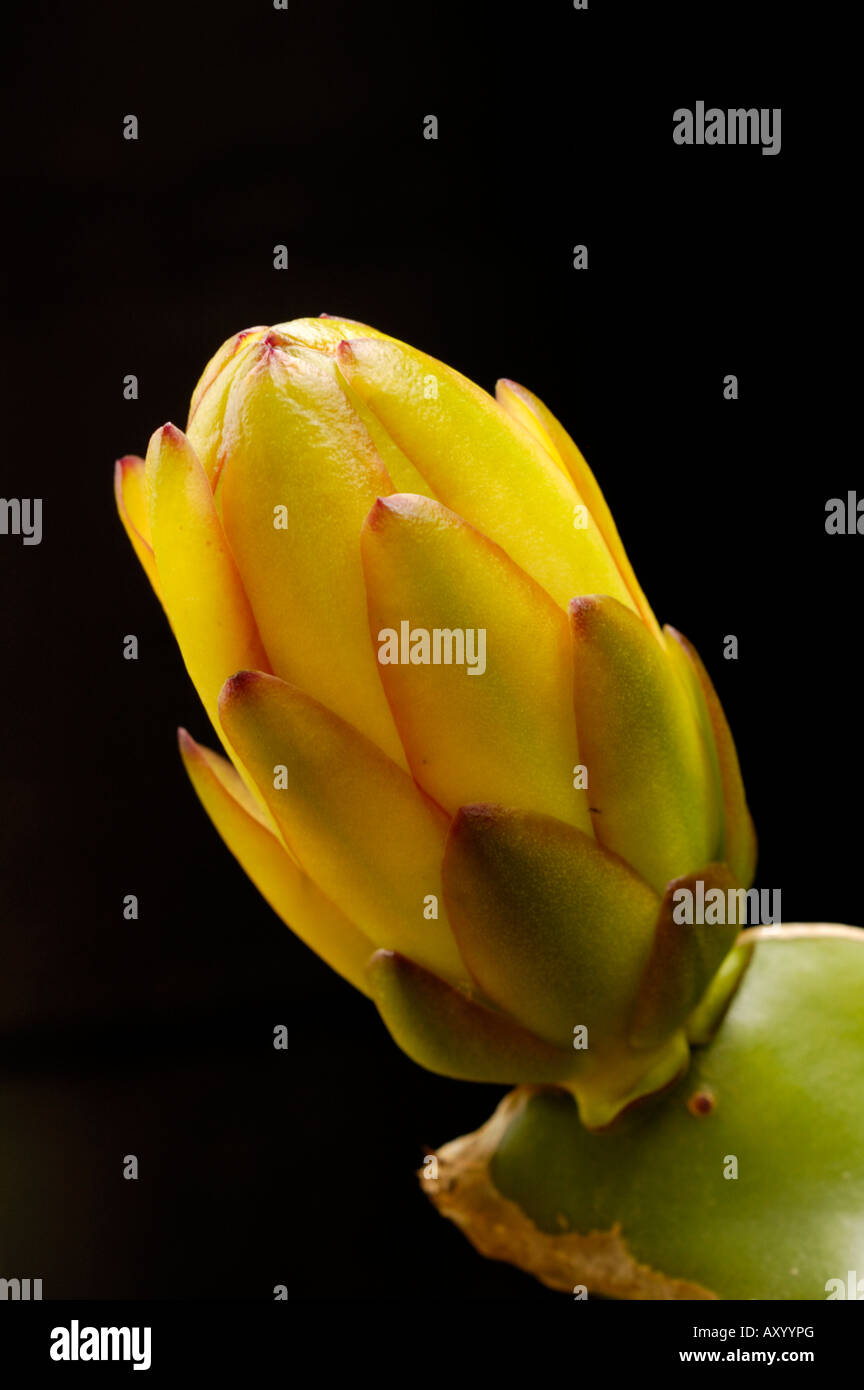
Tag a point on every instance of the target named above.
point(464, 763)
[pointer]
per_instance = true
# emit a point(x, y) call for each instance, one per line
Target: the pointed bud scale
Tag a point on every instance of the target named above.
point(206, 421)
point(201, 588)
point(130, 494)
point(554, 930)
point(539, 420)
point(497, 477)
point(689, 946)
point(272, 868)
point(301, 475)
point(447, 1030)
point(494, 725)
point(739, 837)
point(652, 784)
point(352, 818)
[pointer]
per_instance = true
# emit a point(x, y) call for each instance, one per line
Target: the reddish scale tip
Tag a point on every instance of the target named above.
point(581, 610)
point(377, 514)
point(476, 815)
point(238, 684)
point(344, 351)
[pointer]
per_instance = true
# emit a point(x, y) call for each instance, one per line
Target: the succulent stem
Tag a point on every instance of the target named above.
point(744, 1180)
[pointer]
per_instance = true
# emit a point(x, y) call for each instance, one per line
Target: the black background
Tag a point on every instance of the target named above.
point(305, 127)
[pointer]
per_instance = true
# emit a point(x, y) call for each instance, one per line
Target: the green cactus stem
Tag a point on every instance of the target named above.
point(744, 1180)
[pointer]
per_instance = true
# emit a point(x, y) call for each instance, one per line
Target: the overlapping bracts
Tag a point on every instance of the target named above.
point(491, 859)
